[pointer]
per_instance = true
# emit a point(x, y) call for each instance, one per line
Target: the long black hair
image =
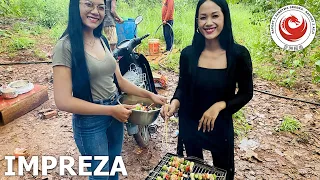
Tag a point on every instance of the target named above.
point(226, 39)
point(80, 74)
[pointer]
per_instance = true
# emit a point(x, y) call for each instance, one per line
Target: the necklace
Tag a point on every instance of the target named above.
point(91, 44)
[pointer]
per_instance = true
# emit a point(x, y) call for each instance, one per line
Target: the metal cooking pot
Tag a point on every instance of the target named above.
point(139, 117)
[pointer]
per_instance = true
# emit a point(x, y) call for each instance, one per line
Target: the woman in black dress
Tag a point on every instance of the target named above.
point(210, 70)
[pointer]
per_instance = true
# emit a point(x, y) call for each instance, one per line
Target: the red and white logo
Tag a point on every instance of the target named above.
point(293, 27)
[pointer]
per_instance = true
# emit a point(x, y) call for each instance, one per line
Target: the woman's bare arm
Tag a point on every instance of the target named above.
point(65, 101)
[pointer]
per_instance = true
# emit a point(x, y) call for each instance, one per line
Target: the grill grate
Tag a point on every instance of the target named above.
point(198, 168)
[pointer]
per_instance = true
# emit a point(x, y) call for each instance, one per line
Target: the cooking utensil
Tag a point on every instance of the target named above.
point(199, 167)
point(150, 105)
point(140, 117)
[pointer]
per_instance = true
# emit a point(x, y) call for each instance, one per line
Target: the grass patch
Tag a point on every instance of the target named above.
point(36, 30)
point(290, 124)
point(57, 31)
point(316, 72)
point(22, 35)
point(288, 79)
point(172, 62)
point(40, 54)
point(154, 66)
point(4, 33)
point(12, 54)
point(18, 43)
point(46, 13)
point(182, 26)
point(240, 124)
point(20, 25)
point(266, 72)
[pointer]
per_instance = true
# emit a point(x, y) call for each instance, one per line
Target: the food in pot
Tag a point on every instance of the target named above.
point(141, 107)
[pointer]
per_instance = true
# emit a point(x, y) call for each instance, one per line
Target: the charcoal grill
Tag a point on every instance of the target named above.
point(199, 167)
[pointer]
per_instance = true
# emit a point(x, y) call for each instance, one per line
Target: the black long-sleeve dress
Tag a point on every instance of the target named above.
point(198, 89)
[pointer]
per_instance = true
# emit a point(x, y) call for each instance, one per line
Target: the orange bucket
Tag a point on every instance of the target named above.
point(154, 46)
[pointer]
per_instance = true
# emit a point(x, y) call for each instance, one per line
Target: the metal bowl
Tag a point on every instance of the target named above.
point(140, 117)
point(19, 84)
point(9, 93)
point(22, 86)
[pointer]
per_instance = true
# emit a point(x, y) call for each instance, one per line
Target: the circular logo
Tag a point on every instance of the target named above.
point(293, 27)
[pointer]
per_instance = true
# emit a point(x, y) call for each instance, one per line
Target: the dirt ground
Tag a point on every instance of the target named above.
point(278, 156)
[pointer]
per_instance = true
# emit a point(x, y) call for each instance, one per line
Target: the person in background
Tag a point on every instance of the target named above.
point(167, 20)
point(83, 73)
point(210, 70)
point(110, 20)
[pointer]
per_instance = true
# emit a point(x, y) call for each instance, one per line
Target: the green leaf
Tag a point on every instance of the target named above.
point(296, 63)
point(317, 79)
point(292, 71)
point(318, 66)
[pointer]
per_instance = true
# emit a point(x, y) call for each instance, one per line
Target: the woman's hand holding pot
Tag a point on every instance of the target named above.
point(122, 112)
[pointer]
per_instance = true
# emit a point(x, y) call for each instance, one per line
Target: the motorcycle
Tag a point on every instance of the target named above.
point(135, 68)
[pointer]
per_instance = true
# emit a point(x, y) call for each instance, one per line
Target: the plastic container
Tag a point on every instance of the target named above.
point(126, 30)
point(154, 46)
